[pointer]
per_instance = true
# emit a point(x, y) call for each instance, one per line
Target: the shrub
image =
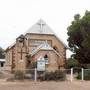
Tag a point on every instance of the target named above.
point(86, 75)
point(19, 75)
point(57, 76)
point(11, 79)
point(79, 75)
point(71, 63)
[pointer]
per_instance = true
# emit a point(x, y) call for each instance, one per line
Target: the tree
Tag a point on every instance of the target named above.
point(2, 54)
point(79, 38)
point(71, 62)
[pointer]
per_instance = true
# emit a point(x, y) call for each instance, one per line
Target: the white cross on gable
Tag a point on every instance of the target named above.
point(41, 24)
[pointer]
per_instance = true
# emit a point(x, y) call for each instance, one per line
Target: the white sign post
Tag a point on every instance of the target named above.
point(41, 64)
point(35, 75)
point(82, 74)
point(71, 74)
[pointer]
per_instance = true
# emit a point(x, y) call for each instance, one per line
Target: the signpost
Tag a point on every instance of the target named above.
point(41, 64)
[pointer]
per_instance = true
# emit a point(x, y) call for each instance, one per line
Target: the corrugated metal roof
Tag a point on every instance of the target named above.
point(40, 28)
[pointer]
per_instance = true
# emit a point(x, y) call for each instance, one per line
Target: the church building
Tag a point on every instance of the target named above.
point(38, 43)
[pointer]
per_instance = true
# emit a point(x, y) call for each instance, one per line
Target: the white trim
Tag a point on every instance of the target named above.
point(41, 47)
point(2, 60)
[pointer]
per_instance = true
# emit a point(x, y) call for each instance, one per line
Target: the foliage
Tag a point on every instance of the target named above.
point(33, 65)
point(56, 76)
point(2, 54)
point(28, 62)
point(31, 68)
point(86, 75)
point(79, 38)
point(87, 66)
point(71, 62)
point(19, 75)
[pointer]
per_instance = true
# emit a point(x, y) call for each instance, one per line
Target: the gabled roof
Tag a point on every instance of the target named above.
point(40, 28)
point(12, 45)
point(44, 46)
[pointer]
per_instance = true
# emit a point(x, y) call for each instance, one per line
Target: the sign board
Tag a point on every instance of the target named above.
point(41, 65)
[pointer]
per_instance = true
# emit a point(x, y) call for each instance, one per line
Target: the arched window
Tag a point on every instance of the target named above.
point(46, 56)
point(46, 59)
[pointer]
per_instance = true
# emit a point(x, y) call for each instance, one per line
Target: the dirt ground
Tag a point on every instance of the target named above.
point(30, 85)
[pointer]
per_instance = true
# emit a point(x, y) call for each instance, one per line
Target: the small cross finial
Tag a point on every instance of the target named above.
point(41, 24)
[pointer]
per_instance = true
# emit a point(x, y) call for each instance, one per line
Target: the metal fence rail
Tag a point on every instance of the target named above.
point(35, 75)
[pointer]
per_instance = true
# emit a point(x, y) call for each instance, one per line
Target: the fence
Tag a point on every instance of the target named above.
point(35, 75)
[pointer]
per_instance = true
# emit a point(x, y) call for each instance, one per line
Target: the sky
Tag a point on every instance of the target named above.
point(16, 16)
